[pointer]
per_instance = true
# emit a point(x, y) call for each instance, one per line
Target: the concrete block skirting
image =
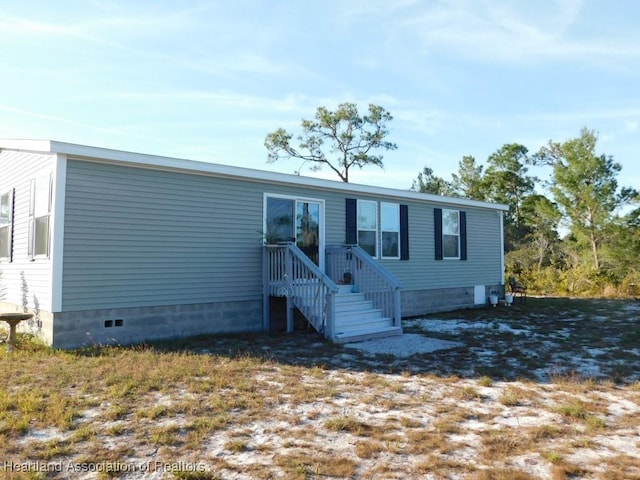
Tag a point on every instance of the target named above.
point(137, 324)
point(421, 302)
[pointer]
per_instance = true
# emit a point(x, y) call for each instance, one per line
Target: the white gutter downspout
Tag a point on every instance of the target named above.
point(57, 231)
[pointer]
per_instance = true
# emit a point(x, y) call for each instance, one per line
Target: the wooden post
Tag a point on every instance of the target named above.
point(290, 310)
point(288, 268)
point(397, 316)
point(331, 317)
point(266, 307)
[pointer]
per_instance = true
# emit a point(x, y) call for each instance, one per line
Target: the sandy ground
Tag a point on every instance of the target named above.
point(458, 398)
point(403, 346)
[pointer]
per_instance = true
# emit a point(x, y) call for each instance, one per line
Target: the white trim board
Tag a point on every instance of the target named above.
point(104, 155)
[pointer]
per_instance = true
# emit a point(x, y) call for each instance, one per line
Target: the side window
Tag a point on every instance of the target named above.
point(451, 234)
point(390, 229)
point(450, 228)
point(6, 225)
point(368, 226)
point(39, 216)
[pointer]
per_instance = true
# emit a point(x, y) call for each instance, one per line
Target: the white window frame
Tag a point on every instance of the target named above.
point(362, 228)
point(40, 209)
point(386, 228)
point(6, 226)
point(446, 213)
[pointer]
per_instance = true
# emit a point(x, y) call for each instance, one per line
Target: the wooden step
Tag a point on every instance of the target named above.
point(353, 307)
point(355, 316)
point(364, 324)
point(349, 297)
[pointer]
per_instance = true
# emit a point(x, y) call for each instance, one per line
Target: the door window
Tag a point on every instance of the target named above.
point(279, 221)
point(308, 229)
point(295, 220)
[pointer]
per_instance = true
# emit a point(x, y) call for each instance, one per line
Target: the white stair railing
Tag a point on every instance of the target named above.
point(350, 263)
point(290, 273)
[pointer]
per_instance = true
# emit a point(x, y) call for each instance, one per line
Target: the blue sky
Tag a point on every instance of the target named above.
point(207, 80)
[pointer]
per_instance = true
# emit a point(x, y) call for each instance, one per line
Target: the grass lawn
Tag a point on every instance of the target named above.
point(548, 389)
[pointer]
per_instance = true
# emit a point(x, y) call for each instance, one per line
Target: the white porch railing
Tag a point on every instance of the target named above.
point(288, 272)
point(368, 276)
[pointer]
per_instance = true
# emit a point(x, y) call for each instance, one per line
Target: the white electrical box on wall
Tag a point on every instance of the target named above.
point(479, 295)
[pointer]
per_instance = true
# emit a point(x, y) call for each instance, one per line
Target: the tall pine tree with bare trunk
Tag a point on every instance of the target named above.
point(340, 139)
point(585, 188)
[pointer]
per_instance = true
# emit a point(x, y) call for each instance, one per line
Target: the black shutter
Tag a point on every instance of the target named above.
point(351, 221)
point(437, 229)
point(463, 235)
point(404, 232)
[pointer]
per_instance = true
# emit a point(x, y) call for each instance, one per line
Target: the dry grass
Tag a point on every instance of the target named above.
point(294, 407)
point(302, 465)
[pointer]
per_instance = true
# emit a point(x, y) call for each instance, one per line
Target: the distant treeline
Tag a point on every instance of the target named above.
point(576, 232)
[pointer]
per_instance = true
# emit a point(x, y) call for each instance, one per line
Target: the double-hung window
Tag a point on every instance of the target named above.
point(380, 228)
point(451, 234)
point(390, 229)
point(368, 226)
point(6, 225)
point(39, 216)
point(450, 227)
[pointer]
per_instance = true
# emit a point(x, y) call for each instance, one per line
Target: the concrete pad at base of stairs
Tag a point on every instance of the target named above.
point(403, 345)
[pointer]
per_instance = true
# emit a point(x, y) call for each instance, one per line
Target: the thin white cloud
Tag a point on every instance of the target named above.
point(356, 11)
point(101, 26)
point(204, 38)
point(495, 30)
point(584, 114)
point(229, 100)
point(20, 28)
point(47, 125)
point(24, 27)
point(40, 116)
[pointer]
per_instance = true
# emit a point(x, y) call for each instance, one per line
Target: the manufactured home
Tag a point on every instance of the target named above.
point(107, 246)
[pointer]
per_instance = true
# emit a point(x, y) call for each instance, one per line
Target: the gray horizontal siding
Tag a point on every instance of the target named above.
point(24, 281)
point(483, 265)
point(422, 271)
point(140, 237)
point(136, 237)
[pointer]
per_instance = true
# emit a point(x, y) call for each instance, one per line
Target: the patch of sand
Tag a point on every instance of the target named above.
point(403, 346)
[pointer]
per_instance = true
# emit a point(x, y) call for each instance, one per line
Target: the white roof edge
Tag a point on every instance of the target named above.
point(42, 146)
point(156, 161)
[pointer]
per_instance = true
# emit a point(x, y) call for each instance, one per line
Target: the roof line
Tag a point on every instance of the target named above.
point(171, 163)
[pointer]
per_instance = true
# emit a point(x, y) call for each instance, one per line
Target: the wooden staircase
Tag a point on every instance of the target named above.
point(357, 319)
point(337, 312)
